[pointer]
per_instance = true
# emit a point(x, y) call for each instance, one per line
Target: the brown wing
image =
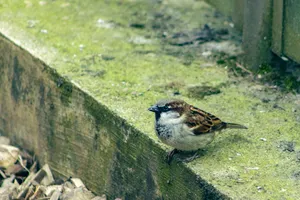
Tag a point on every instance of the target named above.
point(203, 122)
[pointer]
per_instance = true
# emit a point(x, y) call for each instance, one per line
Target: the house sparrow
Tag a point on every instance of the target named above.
point(186, 127)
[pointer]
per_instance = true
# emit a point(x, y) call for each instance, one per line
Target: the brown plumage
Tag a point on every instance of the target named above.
point(204, 122)
point(186, 127)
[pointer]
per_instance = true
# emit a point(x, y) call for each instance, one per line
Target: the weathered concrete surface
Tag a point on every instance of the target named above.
point(105, 135)
point(80, 137)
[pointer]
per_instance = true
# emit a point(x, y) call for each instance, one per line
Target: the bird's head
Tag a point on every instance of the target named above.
point(168, 109)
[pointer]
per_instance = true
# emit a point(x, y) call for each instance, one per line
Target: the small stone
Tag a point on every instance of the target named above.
point(44, 31)
point(140, 40)
point(259, 76)
point(263, 139)
point(259, 188)
point(104, 24)
point(252, 168)
point(283, 190)
point(81, 47)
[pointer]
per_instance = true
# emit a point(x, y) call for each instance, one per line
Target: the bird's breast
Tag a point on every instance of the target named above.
point(181, 137)
point(163, 131)
point(168, 131)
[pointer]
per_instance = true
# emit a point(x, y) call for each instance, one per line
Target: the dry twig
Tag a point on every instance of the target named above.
point(243, 68)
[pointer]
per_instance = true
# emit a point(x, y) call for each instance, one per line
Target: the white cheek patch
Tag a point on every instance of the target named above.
point(170, 117)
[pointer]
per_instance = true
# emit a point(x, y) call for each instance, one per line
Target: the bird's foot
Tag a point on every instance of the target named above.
point(190, 159)
point(170, 155)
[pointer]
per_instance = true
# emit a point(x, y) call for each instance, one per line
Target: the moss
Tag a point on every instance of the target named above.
point(264, 68)
point(66, 90)
point(1, 72)
point(16, 84)
point(42, 94)
point(64, 85)
point(236, 164)
point(51, 119)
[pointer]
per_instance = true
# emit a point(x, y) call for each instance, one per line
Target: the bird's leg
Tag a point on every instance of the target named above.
point(170, 155)
point(189, 159)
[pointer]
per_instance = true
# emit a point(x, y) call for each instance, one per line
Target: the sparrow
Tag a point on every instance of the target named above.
point(185, 127)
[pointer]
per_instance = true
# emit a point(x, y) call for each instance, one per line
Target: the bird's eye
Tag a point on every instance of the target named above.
point(166, 108)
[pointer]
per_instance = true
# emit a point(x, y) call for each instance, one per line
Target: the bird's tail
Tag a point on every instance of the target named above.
point(233, 125)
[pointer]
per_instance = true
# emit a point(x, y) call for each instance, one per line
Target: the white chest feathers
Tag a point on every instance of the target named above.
point(171, 130)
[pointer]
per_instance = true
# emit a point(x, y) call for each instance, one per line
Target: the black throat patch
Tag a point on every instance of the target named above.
point(157, 116)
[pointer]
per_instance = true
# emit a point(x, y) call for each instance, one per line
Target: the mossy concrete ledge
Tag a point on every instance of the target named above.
point(80, 137)
point(77, 77)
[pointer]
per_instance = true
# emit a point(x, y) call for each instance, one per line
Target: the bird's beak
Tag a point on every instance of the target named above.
point(153, 108)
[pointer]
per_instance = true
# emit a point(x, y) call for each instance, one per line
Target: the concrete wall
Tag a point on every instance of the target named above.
point(77, 136)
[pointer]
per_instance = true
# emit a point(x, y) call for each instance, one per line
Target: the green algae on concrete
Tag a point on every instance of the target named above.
point(127, 69)
point(84, 138)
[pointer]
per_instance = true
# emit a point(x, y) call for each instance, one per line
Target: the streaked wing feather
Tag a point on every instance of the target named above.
point(203, 122)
